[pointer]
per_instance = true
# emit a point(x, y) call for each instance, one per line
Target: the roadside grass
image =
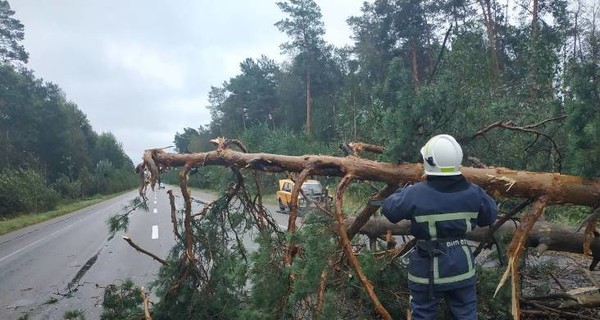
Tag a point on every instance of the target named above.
point(8, 224)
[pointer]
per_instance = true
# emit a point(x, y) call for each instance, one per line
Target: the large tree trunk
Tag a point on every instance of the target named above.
point(488, 19)
point(544, 236)
point(499, 182)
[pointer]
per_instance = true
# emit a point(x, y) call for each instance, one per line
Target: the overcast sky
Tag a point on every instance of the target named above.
point(142, 69)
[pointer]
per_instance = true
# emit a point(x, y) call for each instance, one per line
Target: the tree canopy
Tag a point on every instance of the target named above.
point(418, 68)
point(47, 144)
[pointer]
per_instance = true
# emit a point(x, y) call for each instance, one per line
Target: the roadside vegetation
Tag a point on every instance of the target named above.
point(49, 153)
point(14, 222)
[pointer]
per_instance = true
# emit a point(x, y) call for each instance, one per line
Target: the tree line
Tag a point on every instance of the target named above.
point(49, 151)
point(515, 82)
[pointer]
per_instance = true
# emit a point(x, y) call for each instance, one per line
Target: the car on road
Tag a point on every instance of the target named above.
point(312, 189)
point(161, 185)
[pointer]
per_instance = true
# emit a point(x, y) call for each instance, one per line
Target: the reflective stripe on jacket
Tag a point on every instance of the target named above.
point(442, 209)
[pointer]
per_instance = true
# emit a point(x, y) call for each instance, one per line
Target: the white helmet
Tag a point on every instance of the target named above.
point(442, 156)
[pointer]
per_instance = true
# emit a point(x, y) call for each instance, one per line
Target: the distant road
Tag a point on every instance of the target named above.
point(64, 264)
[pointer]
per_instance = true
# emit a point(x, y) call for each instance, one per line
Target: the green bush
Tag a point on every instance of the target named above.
point(67, 188)
point(25, 191)
point(123, 301)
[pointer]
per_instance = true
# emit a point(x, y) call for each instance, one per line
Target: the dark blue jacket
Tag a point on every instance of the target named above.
point(442, 209)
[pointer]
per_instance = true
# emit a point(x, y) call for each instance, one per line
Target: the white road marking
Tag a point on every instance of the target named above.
point(154, 232)
point(154, 201)
point(155, 210)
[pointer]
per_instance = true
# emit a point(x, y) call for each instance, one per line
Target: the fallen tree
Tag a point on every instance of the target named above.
point(543, 236)
point(539, 189)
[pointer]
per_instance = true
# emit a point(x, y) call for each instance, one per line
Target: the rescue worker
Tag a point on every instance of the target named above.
point(442, 209)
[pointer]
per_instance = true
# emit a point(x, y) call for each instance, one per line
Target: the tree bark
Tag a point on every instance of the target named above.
point(499, 182)
point(489, 22)
point(543, 236)
point(415, 66)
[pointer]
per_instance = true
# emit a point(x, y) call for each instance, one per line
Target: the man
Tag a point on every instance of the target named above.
point(442, 210)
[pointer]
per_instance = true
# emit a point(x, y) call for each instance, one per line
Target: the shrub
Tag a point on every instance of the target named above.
point(25, 191)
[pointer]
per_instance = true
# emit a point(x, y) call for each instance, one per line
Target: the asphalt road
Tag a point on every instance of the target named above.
point(64, 264)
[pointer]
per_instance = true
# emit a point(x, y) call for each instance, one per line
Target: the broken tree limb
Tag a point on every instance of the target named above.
point(369, 210)
point(146, 304)
point(187, 221)
point(291, 248)
point(173, 214)
point(579, 297)
point(144, 251)
point(515, 250)
point(355, 148)
point(339, 216)
point(500, 222)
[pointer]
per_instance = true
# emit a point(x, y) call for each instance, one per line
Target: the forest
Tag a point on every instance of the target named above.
point(49, 151)
point(516, 82)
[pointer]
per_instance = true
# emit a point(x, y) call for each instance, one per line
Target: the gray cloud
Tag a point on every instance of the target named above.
point(142, 69)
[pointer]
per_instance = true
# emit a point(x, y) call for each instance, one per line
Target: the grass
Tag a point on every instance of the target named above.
point(51, 300)
point(21, 221)
point(74, 314)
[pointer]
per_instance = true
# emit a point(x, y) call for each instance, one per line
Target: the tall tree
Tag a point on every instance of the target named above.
point(110, 149)
point(248, 99)
point(306, 30)
point(489, 20)
point(192, 140)
point(583, 99)
point(255, 92)
point(11, 34)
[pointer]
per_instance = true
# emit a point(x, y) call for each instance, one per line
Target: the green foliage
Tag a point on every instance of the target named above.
point(225, 274)
point(304, 26)
point(51, 300)
point(402, 81)
point(245, 101)
point(488, 305)
point(206, 288)
point(268, 275)
point(41, 131)
point(12, 34)
point(281, 141)
point(567, 215)
point(344, 296)
point(67, 188)
point(120, 221)
point(122, 302)
point(192, 140)
point(318, 243)
point(74, 314)
point(25, 191)
point(584, 117)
